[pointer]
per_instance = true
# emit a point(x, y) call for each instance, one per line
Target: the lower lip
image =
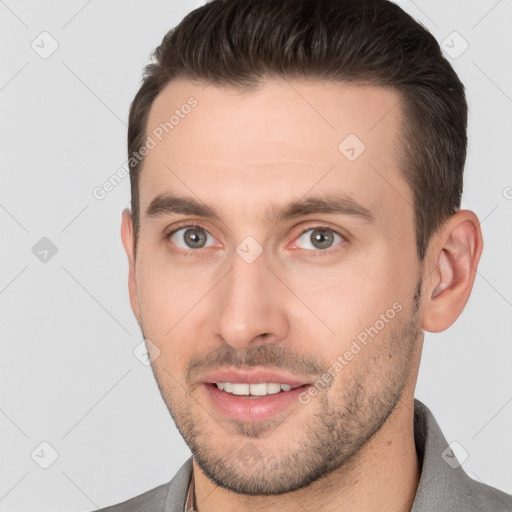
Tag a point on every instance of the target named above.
point(252, 409)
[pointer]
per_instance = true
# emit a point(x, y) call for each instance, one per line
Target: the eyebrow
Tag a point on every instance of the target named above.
point(166, 204)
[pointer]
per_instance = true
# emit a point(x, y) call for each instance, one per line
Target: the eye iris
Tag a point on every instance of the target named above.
point(322, 238)
point(195, 237)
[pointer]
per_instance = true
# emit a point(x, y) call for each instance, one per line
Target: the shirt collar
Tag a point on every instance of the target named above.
point(190, 503)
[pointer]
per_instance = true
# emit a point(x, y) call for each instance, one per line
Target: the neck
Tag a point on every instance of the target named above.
point(382, 476)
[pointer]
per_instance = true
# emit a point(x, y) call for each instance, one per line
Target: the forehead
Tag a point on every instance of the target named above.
point(238, 149)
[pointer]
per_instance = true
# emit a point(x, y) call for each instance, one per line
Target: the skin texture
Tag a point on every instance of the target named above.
point(296, 307)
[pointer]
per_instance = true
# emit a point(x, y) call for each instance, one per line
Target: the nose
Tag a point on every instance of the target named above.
point(251, 305)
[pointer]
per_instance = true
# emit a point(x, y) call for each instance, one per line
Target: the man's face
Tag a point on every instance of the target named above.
point(313, 294)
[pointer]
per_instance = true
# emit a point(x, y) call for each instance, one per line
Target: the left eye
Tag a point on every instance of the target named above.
point(191, 237)
point(319, 238)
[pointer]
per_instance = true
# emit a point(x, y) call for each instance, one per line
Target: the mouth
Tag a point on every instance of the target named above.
point(254, 395)
point(255, 389)
point(254, 403)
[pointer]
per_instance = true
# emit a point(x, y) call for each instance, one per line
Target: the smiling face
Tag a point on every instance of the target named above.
point(277, 234)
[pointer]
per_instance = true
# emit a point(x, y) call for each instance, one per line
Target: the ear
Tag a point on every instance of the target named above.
point(453, 258)
point(128, 239)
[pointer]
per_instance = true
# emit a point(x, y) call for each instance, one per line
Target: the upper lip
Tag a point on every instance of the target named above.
point(252, 377)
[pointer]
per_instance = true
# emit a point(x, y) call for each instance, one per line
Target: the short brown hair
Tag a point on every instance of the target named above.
point(240, 42)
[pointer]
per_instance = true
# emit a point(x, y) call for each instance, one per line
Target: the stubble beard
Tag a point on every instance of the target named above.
point(344, 417)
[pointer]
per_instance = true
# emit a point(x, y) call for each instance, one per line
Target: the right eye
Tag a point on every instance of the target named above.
point(191, 237)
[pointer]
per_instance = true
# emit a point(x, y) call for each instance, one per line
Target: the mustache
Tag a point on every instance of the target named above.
point(268, 356)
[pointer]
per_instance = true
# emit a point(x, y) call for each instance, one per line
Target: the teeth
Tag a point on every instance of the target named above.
point(240, 389)
point(272, 388)
point(259, 389)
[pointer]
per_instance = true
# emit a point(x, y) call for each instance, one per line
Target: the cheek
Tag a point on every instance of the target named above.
point(167, 292)
point(353, 301)
point(172, 302)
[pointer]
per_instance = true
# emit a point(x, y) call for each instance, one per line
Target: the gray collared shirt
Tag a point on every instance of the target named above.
point(443, 485)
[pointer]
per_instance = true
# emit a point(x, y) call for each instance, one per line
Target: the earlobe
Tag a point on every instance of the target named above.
point(127, 237)
point(454, 254)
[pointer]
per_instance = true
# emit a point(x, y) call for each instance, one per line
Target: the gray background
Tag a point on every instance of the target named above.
point(69, 376)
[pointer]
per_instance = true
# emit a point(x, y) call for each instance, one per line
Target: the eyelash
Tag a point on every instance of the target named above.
point(312, 253)
point(319, 253)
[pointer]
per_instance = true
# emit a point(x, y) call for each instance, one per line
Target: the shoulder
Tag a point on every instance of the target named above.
point(168, 497)
point(487, 498)
point(444, 485)
point(152, 500)
point(471, 496)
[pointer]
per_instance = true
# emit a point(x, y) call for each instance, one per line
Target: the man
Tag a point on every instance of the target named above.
point(296, 174)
